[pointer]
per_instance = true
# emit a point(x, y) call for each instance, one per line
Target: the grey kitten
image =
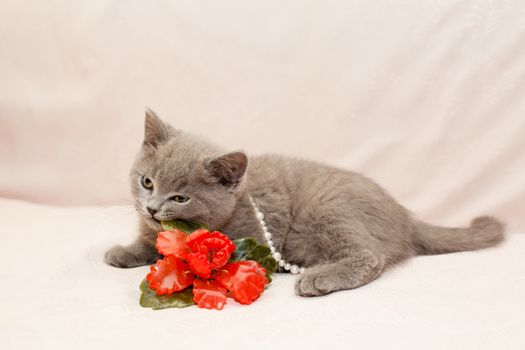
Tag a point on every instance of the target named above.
point(341, 226)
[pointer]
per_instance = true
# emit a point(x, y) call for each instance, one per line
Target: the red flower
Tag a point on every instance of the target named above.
point(169, 275)
point(244, 279)
point(200, 259)
point(209, 251)
point(172, 243)
point(209, 294)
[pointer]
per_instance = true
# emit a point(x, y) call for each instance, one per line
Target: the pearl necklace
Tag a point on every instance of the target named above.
point(294, 269)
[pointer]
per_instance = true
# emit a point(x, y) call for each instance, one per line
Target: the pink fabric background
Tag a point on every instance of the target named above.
point(426, 97)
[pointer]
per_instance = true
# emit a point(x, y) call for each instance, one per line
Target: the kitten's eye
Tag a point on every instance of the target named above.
point(180, 199)
point(146, 182)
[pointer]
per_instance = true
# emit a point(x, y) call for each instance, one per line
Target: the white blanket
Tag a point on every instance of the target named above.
point(58, 294)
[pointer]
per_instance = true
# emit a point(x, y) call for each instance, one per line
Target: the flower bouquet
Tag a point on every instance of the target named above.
point(205, 268)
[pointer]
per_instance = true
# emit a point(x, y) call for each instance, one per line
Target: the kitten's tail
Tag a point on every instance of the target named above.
point(484, 231)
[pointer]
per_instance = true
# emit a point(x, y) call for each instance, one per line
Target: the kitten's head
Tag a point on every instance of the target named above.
point(179, 176)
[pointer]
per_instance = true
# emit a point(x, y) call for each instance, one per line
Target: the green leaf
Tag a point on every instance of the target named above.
point(183, 225)
point(248, 249)
point(150, 299)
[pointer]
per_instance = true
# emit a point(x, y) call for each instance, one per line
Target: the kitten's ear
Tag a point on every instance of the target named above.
point(155, 131)
point(229, 168)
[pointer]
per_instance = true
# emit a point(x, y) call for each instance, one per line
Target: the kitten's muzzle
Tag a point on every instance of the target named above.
point(152, 211)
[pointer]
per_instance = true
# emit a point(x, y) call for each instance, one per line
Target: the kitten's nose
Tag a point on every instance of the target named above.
point(152, 211)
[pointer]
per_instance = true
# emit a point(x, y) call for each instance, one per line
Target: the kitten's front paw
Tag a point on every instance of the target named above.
point(311, 284)
point(120, 256)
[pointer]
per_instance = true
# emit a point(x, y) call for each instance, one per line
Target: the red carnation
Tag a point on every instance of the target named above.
point(209, 294)
point(201, 259)
point(169, 275)
point(244, 279)
point(209, 251)
point(173, 243)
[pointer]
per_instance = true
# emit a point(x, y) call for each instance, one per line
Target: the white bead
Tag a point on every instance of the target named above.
point(294, 269)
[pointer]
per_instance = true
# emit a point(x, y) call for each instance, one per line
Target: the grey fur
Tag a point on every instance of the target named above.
point(343, 227)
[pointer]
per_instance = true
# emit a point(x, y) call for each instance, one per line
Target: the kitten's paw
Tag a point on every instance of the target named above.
point(311, 284)
point(120, 256)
